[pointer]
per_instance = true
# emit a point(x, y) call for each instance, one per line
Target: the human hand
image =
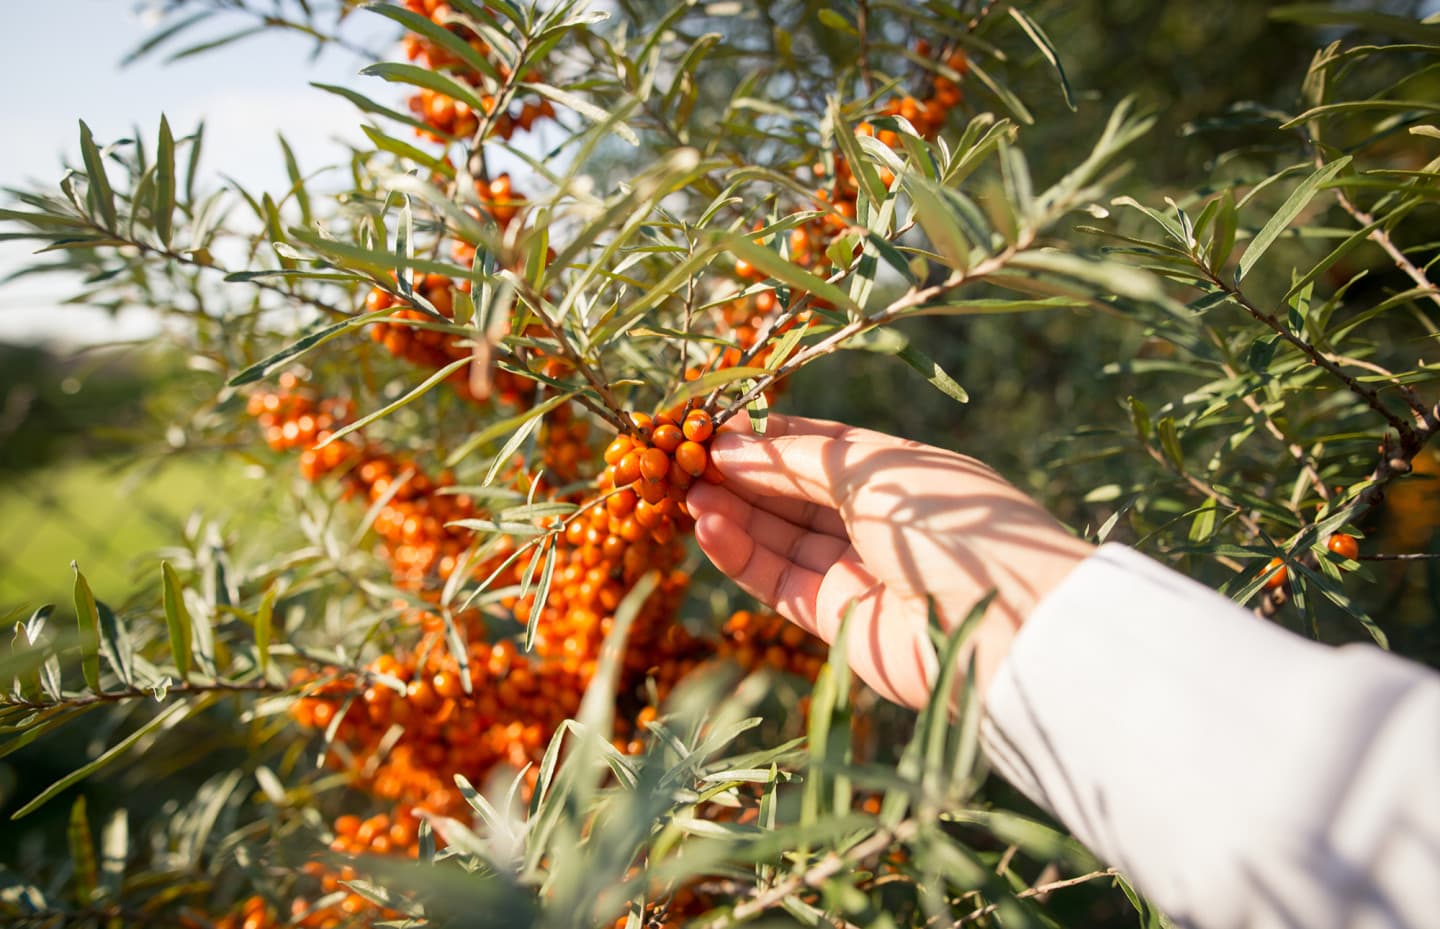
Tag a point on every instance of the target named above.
point(815, 515)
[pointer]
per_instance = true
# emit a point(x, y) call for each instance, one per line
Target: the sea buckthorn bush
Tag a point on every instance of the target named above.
point(484, 676)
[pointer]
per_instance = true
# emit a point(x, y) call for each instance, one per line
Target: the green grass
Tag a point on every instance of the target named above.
point(111, 518)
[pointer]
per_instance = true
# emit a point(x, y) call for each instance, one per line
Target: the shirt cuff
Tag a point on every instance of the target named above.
point(1201, 750)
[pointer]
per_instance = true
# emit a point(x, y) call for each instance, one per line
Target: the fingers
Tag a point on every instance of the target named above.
point(805, 467)
point(766, 575)
point(815, 580)
point(803, 513)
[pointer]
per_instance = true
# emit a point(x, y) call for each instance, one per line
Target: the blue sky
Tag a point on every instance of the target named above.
point(62, 63)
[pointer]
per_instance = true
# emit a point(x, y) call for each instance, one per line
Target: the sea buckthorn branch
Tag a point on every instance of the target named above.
point(510, 80)
point(208, 263)
point(136, 693)
point(1038, 890)
point(535, 303)
point(1302, 458)
point(1378, 233)
point(1207, 490)
point(1396, 455)
point(815, 875)
point(911, 300)
point(1381, 237)
point(1318, 358)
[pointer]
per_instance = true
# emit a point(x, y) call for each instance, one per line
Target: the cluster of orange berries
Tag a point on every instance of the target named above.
point(293, 418)
point(405, 334)
point(1277, 575)
point(927, 115)
point(406, 723)
point(431, 348)
point(458, 119)
point(507, 717)
point(808, 243)
point(453, 117)
point(414, 522)
point(336, 907)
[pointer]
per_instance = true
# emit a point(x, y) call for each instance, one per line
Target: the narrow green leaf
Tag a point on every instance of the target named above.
point(1223, 241)
point(87, 616)
point(934, 375)
point(1385, 24)
point(82, 853)
point(584, 107)
point(162, 35)
point(407, 151)
point(164, 183)
point(542, 595)
point(177, 619)
point(264, 624)
point(419, 391)
point(168, 716)
point(115, 644)
point(743, 246)
point(1202, 527)
point(261, 369)
point(102, 197)
point(1002, 93)
point(367, 105)
point(503, 427)
point(1170, 441)
point(297, 180)
point(939, 223)
point(1292, 207)
point(221, 42)
point(417, 76)
point(192, 169)
point(1047, 48)
point(1140, 417)
point(438, 34)
point(709, 381)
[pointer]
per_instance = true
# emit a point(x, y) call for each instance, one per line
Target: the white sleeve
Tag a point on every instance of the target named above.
point(1239, 775)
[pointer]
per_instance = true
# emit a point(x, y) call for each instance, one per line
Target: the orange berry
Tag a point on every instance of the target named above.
point(655, 464)
point(698, 426)
point(652, 491)
point(627, 469)
point(378, 299)
point(648, 514)
point(1277, 574)
point(667, 437)
point(620, 503)
point(1346, 546)
point(643, 424)
point(618, 448)
point(692, 457)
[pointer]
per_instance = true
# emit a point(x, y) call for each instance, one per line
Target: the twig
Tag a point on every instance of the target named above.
point(1396, 456)
point(1036, 891)
point(1317, 357)
point(1382, 238)
point(914, 297)
point(136, 693)
point(1205, 490)
point(1296, 452)
point(822, 870)
point(613, 412)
